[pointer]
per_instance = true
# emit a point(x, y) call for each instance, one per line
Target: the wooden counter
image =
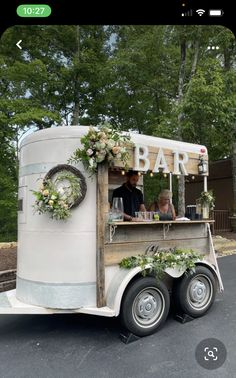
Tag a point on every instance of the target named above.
point(162, 222)
point(123, 239)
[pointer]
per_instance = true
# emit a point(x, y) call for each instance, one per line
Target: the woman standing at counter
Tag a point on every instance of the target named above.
point(163, 206)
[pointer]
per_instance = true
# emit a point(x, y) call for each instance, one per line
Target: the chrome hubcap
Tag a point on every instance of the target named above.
point(148, 307)
point(200, 292)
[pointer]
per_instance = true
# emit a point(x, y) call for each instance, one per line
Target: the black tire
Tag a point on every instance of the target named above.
point(195, 292)
point(140, 320)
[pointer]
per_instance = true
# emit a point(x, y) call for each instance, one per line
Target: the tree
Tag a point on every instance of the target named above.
point(169, 83)
point(158, 80)
point(58, 76)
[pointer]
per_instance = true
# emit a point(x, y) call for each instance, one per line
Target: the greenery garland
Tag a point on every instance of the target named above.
point(161, 260)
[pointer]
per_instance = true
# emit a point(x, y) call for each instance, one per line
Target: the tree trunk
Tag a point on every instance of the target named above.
point(183, 50)
point(195, 58)
point(181, 183)
point(227, 59)
point(76, 110)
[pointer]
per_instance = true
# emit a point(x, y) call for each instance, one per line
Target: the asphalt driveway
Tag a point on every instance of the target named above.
point(58, 346)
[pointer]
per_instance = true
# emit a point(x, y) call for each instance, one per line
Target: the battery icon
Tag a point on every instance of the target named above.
point(216, 12)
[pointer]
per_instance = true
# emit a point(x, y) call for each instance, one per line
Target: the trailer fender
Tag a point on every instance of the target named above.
point(123, 277)
point(117, 287)
point(216, 273)
point(121, 280)
point(176, 273)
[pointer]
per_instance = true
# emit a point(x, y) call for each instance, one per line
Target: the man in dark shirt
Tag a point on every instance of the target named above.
point(132, 197)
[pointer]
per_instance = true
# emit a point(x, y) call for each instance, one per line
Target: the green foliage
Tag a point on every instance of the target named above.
point(161, 260)
point(154, 185)
point(207, 198)
point(146, 65)
point(8, 188)
point(128, 75)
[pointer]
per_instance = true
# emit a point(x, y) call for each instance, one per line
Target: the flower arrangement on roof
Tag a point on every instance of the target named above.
point(102, 145)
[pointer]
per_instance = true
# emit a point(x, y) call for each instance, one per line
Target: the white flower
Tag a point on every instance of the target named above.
point(61, 191)
point(100, 158)
point(98, 145)
point(101, 135)
point(89, 152)
point(110, 157)
point(110, 144)
point(50, 202)
point(46, 192)
point(53, 197)
point(91, 162)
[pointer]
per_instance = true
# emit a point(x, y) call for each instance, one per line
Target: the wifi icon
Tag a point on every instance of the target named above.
point(200, 12)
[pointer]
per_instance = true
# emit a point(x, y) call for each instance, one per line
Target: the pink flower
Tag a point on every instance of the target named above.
point(89, 152)
point(116, 150)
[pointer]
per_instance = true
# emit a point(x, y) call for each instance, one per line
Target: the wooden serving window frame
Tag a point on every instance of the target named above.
point(101, 224)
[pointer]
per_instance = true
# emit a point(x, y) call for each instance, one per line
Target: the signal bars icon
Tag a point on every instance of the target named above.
point(187, 14)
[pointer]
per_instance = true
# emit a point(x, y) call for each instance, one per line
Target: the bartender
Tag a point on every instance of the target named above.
point(132, 197)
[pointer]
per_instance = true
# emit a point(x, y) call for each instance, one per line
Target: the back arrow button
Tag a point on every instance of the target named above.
point(18, 44)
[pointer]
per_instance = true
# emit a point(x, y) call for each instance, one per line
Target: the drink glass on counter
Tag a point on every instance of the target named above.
point(117, 209)
point(145, 216)
point(156, 216)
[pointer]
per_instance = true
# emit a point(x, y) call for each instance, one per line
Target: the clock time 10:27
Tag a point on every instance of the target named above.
point(33, 10)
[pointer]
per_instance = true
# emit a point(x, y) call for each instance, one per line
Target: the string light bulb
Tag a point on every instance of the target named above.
point(193, 177)
point(139, 173)
point(123, 172)
point(177, 177)
point(165, 175)
point(151, 174)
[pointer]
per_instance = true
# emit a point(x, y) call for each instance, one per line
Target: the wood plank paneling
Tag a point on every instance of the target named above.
point(191, 165)
point(102, 202)
point(115, 252)
point(148, 232)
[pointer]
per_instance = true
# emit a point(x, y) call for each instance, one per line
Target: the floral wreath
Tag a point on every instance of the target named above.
point(103, 145)
point(63, 188)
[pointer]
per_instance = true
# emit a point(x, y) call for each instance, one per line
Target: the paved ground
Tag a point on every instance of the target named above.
point(68, 346)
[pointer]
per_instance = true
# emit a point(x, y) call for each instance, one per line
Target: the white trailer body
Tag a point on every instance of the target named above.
point(57, 261)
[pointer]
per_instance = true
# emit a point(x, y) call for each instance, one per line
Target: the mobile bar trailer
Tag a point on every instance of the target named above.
point(73, 266)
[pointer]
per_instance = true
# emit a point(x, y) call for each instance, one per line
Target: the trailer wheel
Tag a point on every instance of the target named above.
point(195, 293)
point(145, 306)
